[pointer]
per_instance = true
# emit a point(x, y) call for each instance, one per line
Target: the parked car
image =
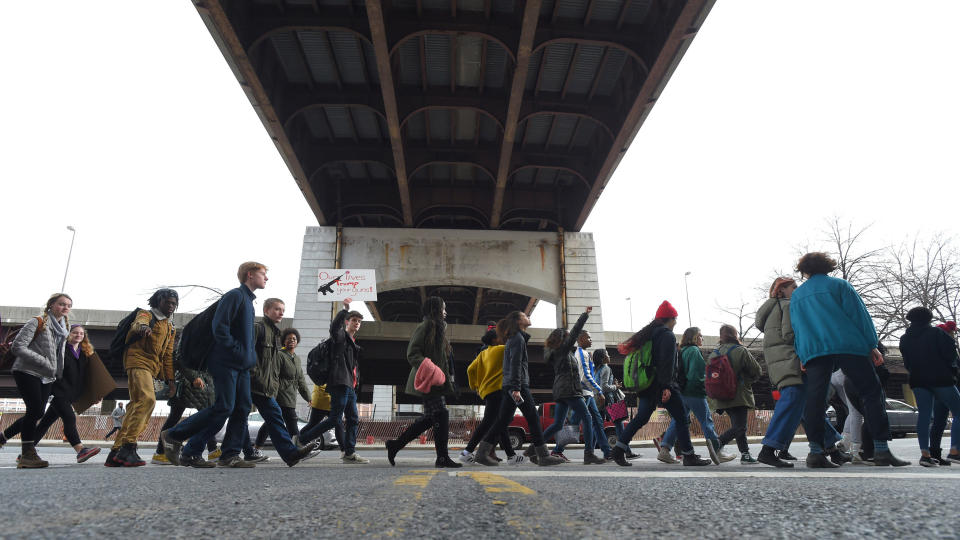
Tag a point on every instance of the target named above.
point(255, 422)
point(519, 430)
point(902, 417)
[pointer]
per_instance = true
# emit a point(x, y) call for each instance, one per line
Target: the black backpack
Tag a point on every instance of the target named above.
point(318, 362)
point(119, 342)
point(196, 339)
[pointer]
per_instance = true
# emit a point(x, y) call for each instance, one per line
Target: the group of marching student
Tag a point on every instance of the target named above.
point(818, 337)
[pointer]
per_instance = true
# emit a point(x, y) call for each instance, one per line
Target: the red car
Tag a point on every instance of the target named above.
point(519, 430)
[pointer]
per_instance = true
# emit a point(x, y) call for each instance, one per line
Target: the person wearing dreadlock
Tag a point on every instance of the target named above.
point(148, 355)
point(431, 378)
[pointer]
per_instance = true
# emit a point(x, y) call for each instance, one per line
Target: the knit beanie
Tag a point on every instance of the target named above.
point(666, 311)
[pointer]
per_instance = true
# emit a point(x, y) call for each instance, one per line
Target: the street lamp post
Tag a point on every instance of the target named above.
point(63, 287)
point(630, 307)
point(686, 289)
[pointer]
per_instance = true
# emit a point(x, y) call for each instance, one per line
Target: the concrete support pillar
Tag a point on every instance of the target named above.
point(582, 287)
point(313, 318)
point(384, 401)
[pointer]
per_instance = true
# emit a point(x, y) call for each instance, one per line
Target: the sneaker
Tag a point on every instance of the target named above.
point(257, 457)
point(445, 462)
point(725, 456)
point(87, 453)
point(110, 462)
point(197, 462)
point(953, 458)
point(665, 455)
point(768, 456)
point(171, 447)
point(235, 462)
point(129, 456)
point(215, 454)
point(747, 459)
point(302, 453)
point(927, 461)
point(160, 459)
point(559, 455)
point(786, 455)
point(516, 459)
point(839, 456)
point(355, 459)
point(466, 458)
point(693, 460)
point(629, 454)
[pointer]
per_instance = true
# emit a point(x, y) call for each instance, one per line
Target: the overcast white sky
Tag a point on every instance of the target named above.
point(123, 120)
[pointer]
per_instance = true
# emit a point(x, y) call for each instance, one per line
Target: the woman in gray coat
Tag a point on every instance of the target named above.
point(38, 348)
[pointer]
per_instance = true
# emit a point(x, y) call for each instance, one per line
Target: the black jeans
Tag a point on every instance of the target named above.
point(317, 416)
point(289, 418)
point(508, 407)
point(491, 412)
point(60, 408)
point(34, 395)
point(436, 416)
point(647, 402)
point(176, 413)
point(738, 428)
point(859, 369)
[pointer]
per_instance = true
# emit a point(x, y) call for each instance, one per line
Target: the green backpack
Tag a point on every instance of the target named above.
point(638, 369)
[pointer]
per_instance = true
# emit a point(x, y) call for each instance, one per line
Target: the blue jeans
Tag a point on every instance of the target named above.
point(231, 405)
point(787, 415)
point(343, 404)
point(701, 411)
point(926, 397)
point(599, 436)
point(560, 414)
point(273, 421)
point(646, 404)
point(859, 369)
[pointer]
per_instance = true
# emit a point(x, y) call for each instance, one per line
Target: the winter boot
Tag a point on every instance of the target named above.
point(112, 460)
point(768, 456)
point(619, 457)
point(531, 454)
point(482, 455)
point(544, 459)
point(693, 460)
point(883, 458)
point(819, 461)
point(589, 458)
point(29, 458)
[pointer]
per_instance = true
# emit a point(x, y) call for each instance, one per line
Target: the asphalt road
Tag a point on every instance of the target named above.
point(326, 499)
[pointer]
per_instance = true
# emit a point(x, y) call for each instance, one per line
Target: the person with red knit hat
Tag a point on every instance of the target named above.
point(663, 388)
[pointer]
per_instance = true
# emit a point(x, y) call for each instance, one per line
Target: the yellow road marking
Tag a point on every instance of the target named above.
point(418, 478)
point(493, 483)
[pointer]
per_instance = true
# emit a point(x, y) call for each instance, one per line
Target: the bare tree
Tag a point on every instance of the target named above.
point(745, 317)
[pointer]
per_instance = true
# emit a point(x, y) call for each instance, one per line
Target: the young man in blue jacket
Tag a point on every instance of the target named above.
point(231, 358)
point(833, 329)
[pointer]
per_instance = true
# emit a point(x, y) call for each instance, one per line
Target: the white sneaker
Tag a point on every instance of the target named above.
point(666, 456)
point(354, 459)
point(516, 459)
point(727, 456)
point(466, 458)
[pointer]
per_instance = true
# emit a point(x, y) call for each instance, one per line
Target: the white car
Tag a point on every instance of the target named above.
point(255, 422)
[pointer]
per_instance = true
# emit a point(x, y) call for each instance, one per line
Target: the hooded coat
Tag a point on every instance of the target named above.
point(566, 371)
point(783, 364)
point(419, 348)
point(747, 370)
point(930, 355)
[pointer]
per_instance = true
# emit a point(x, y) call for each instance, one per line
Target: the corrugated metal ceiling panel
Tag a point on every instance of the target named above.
point(409, 62)
point(637, 12)
point(606, 10)
point(563, 130)
point(437, 48)
point(554, 72)
point(588, 61)
point(348, 52)
point(319, 56)
point(285, 48)
point(533, 68)
point(616, 62)
point(368, 123)
point(439, 124)
point(316, 123)
point(536, 128)
point(339, 121)
point(496, 72)
point(469, 50)
point(572, 9)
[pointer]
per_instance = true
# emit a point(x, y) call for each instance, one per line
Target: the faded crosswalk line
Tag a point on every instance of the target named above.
point(555, 472)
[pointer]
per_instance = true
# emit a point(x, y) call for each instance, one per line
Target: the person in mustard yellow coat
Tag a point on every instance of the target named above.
point(148, 356)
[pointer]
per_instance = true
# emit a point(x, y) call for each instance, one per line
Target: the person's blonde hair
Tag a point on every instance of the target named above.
point(85, 345)
point(247, 267)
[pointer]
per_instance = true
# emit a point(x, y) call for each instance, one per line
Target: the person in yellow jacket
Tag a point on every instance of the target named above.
point(320, 409)
point(485, 377)
point(148, 356)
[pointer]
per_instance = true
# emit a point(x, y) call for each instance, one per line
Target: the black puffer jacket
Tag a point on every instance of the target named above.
point(929, 355)
point(566, 374)
point(187, 394)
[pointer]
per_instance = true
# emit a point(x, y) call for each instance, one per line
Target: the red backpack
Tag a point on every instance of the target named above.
point(721, 382)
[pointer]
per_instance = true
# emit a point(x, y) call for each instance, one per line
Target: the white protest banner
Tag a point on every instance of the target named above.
point(337, 285)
